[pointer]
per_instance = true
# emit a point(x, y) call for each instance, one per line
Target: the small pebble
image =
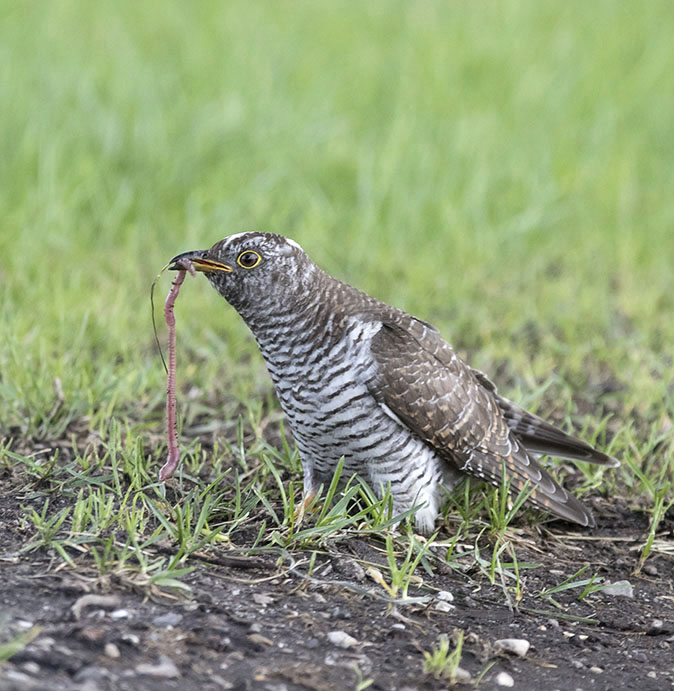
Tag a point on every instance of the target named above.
point(165, 669)
point(120, 614)
point(169, 619)
point(31, 667)
point(445, 595)
point(650, 569)
point(342, 639)
point(221, 682)
point(577, 664)
point(639, 656)
point(596, 670)
point(23, 681)
point(462, 676)
point(619, 589)
point(443, 606)
point(92, 633)
point(514, 646)
point(504, 679)
point(332, 659)
point(89, 685)
point(262, 599)
point(111, 650)
point(652, 675)
point(44, 643)
point(131, 639)
point(655, 628)
point(63, 651)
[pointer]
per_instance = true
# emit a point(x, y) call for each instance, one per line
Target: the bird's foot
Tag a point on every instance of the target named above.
point(304, 506)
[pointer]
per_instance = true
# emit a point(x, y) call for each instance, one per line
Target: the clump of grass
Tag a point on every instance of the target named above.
point(402, 573)
point(588, 585)
point(443, 661)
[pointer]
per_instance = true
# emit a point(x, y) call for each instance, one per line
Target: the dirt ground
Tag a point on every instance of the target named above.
point(251, 624)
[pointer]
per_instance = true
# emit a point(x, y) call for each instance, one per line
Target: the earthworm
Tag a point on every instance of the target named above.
point(171, 464)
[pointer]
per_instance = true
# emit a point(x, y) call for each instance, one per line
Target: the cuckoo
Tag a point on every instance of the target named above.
point(366, 382)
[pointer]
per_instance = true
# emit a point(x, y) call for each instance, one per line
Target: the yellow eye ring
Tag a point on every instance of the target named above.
point(248, 259)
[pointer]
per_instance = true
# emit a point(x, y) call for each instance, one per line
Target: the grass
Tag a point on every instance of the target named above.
point(440, 663)
point(504, 171)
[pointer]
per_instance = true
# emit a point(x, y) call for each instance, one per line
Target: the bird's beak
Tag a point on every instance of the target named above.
point(200, 261)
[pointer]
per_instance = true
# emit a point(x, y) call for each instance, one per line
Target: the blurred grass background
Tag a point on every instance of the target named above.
point(504, 170)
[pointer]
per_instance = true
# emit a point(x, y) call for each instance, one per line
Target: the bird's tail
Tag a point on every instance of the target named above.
point(540, 437)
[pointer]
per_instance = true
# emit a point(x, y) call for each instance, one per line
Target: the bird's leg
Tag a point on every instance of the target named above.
point(309, 492)
point(303, 506)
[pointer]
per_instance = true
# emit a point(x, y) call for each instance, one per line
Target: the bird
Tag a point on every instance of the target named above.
point(365, 382)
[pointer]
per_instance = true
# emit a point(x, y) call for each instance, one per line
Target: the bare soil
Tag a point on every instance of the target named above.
point(253, 623)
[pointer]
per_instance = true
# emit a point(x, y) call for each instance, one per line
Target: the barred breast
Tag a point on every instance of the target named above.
point(322, 373)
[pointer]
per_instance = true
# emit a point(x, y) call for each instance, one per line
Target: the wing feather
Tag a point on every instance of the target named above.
point(427, 386)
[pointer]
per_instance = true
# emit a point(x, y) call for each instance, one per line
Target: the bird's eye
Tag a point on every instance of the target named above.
point(248, 259)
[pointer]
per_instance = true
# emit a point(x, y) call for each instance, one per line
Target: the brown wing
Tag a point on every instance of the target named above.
point(539, 436)
point(434, 393)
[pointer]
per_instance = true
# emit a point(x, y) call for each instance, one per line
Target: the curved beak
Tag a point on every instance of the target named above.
point(200, 261)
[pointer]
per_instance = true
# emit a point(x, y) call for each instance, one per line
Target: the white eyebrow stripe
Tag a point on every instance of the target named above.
point(294, 244)
point(234, 237)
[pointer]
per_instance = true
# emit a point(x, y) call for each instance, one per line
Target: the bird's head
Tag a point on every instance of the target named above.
point(253, 271)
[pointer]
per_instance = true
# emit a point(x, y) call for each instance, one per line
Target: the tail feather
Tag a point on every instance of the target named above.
point(525, 474)
point(539, 436)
